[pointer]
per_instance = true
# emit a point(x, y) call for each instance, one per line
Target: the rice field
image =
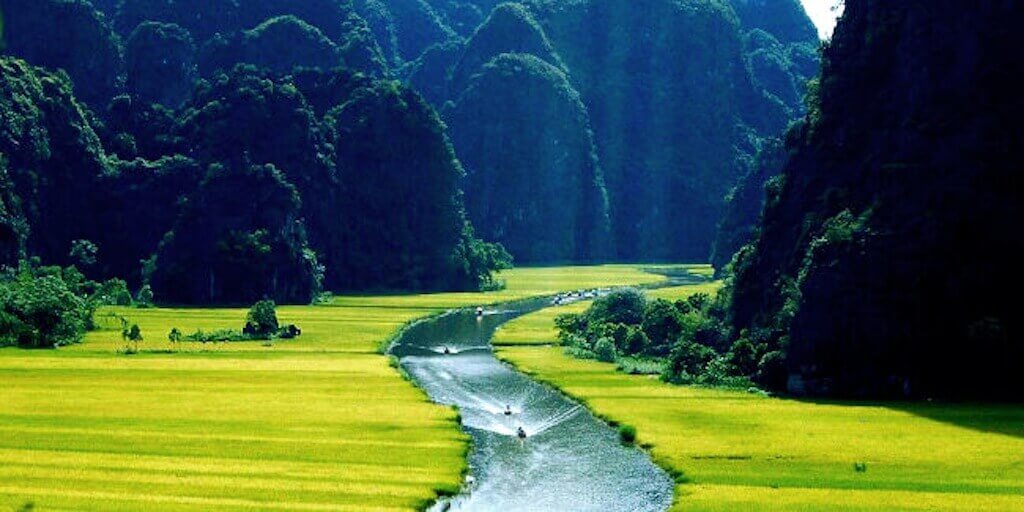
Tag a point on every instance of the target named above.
point(322, 422)
point(735, 450)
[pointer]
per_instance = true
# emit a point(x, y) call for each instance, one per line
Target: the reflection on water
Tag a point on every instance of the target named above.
point(568, 461)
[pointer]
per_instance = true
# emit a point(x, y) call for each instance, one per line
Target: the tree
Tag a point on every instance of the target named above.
point(40, 310)
point(239, 238)
point(662, 322)
point(262, 319)
point(621, 307)
point(84, 252)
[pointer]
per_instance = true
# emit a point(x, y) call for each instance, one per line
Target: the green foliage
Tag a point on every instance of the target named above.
point(627, 434)
point(238, 239)
point(663, 324)
point(278, 44)
point(39, 309)
point(625, 306)
point(538, 192)
point(688, 361)
point(160, 63)
point(84, 252)
point(604, 349)
point(262, 319)
point(77, 39)
point(175, 336)
point(144, 298)
point(113, 292)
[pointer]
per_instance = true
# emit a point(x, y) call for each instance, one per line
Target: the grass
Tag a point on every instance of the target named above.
point(741, 451)
point(322, 422)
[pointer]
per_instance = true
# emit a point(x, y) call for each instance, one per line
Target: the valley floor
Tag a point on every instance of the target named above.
point(743, 451)
point(322, 422)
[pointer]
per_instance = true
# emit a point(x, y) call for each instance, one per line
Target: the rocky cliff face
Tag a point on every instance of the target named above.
point(886, 251)
point(533, 181)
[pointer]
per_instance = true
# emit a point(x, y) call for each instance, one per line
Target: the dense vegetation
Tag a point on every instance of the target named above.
point(595, 153)
point(49, 307)
point(284, 169)
point(670, 139)
point(886, 250)
point(681, 339)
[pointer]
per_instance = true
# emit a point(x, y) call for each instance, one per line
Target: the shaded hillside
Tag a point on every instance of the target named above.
point(69, 35)
point(883, 250)
point(533, 181)
point(665, 132)
point(745, 203)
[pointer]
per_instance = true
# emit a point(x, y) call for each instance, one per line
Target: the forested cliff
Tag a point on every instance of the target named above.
point(392, 133)
point(888, 245)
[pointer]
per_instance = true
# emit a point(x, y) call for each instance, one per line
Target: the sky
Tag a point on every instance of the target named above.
point(822, 15)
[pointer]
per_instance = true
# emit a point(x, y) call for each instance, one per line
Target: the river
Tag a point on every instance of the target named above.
point(568, 461)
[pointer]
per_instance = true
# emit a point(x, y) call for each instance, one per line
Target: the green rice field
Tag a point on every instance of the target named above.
point(736, 450)
point(322, 422)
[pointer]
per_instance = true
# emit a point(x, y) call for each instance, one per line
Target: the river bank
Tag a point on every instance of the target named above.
point(736, 450)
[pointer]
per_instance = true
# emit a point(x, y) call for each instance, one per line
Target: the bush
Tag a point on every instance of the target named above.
point(691, 358)
point(41, 312)
point(175, 335)
point(662, 322)
point(619, 307)
point(641, 366)
point(636, 342)
point(570, 324)
point(745, 355)
point(113, 293)
point(144, 299)
point(771, 370)
point(627, 434)
point(605, 351)
point(262, 319)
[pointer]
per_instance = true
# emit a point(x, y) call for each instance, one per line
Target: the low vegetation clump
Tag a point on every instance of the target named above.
point(50, 306)
point(682, 340)
point(261, 324)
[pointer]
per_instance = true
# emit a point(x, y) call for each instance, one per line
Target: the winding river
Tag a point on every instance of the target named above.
point(568, 461)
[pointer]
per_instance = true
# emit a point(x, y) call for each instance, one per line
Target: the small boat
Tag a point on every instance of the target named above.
point(479, 311)
point(508, 410)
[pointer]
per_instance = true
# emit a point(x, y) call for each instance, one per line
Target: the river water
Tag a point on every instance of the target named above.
point(568, 461)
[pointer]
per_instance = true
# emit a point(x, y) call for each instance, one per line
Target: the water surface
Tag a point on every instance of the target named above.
point(569, 461)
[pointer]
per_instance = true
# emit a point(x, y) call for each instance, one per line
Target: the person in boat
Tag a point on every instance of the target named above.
point(508, 410)
point(521, 433)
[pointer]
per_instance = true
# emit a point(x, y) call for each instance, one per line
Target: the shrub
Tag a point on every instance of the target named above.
point(624, 306)
point(570, 324)
point(662, 322)
point(745, 355)
point(636, 342)
point(771, 370)
point(144, 299)
point(605, 351)
point(113, 293)
point(689, 357)
point(41, 312)
point(699, 301)
point(627, 434)
point(641, 366)
point(262, 319)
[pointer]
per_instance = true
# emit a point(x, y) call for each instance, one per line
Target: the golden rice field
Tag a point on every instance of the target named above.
point(742, 451)
point(317, 423)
